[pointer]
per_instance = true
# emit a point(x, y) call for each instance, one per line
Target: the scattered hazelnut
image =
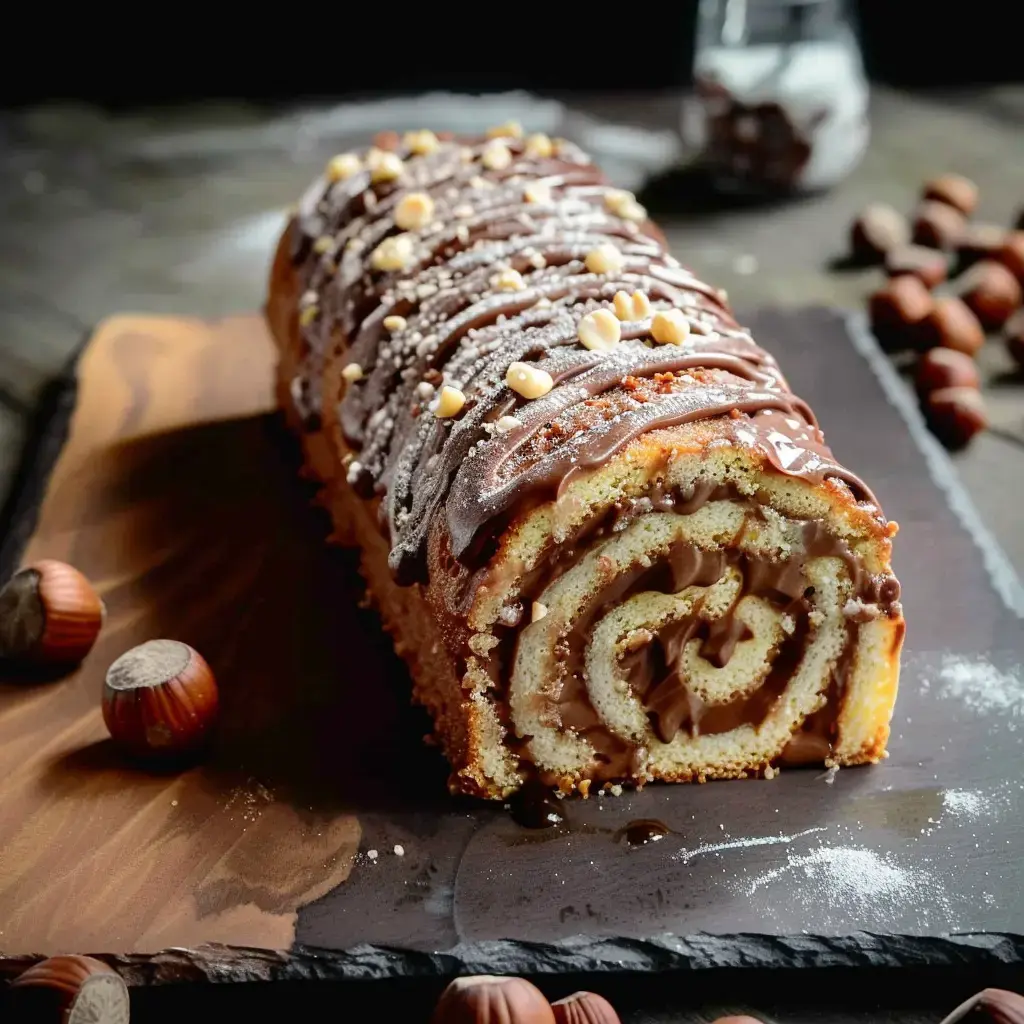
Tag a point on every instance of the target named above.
point(507, 423)
point(930, 265)
point(486, 998)
point(938, 226)
point(980, 242)
point(70, 990)
point(384, 165)
point(508, 130)
point(394, 253)
point(537, 611)
point(584, 1008)
point(994, 1004)
point(160, 700)
point(623, 204)
point(952, 325)
point(49, 615)
point(529, 381)
point(898, 310)
point(956, 415)
point(450, 403)
point(599, 330)
point(539, 147)
point(496, 155)
point(605, 259)
point(1015, 338)
point(877, 230)
point(945, 368)
point(954, 190)
point(537, 192)
point(395, 323)
point(343, 166)
point(422, 142)
point(1011, 254)
point(351, 372)
point(670, 327)
point(509, 280)
point(414, 211)
point(991, 292)
point(632, 307)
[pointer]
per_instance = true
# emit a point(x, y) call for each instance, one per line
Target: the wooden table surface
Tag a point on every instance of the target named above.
point(175, 211)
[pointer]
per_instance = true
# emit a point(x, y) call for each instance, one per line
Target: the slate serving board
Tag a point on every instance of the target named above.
point(163, 472)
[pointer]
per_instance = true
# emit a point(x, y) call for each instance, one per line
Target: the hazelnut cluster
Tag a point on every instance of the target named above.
point(951, 281)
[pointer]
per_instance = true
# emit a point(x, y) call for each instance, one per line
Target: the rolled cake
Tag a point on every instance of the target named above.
point(608, 540)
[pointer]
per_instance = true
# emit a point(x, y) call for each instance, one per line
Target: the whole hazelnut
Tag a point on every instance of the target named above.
point(945, 368)
point(494, 1000)
point(930, 265)
point(70, 990)
point(991, 292)
point(898, 310)
point(980, 242)
point(1011, 254)
point(49, 615)
point(160, 700)
point(955, 415)
point(1015, 338)
point(954, 190)
point(995, 1004)
point(937, 225)
point(584, 1008)
point(952, 325)
point(877, 229)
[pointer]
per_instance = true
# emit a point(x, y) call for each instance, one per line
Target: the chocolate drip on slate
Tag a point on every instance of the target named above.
point(461, 330)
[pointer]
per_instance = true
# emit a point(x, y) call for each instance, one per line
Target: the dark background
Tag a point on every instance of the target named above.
point(305, 51)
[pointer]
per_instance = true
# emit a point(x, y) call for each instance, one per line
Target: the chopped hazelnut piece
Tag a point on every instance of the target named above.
point(605, 259)
point(670, 327)
point(506, 423)
point(528, 381)
point(496, 155)
point(343, 166)
point(599, 330)
point(538, 611)
point(422, 142)
point(478, 182)
point(632, 307)
point(509, 280)
point(539, 147)
point(394, 253)
point(623, 204)
point(463, 211)
point(538, 260)
point(414, 211)
point(384, 165)
point(308, 315)
point(395, 323)
point(537, 192)
point(449, 403)
point(510, 129)
point(323, 245)
point(352, 372)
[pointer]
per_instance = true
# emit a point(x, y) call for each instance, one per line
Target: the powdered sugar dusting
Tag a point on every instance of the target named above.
point(981, 686)
point(966, 804)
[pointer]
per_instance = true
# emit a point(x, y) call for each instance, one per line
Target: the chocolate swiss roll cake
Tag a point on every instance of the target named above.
point(609, 541)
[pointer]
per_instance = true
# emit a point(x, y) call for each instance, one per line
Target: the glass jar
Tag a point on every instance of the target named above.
point(781, 96)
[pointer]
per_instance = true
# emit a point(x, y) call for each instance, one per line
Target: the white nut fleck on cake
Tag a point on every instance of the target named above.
point(343, 166)
point(384, 165)
point(538, 611)
point(496, 155)
point(395, 323)
point(529, 381)
point(508, 280)
point(539, 146)
point(599, 330)
point(623, 204)
point(479, 182)
point(414, 211)
point(670, 327)
point(449, 402)
point(605, 259)
point(507, 423)
point(422, 142)
point(510, 129)
point(352, 372)
point(425, 390)
point(394, 253)
point(632, 307)
point(537, 192)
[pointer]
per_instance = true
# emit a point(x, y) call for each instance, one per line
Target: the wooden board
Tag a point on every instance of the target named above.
point(177, 493)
